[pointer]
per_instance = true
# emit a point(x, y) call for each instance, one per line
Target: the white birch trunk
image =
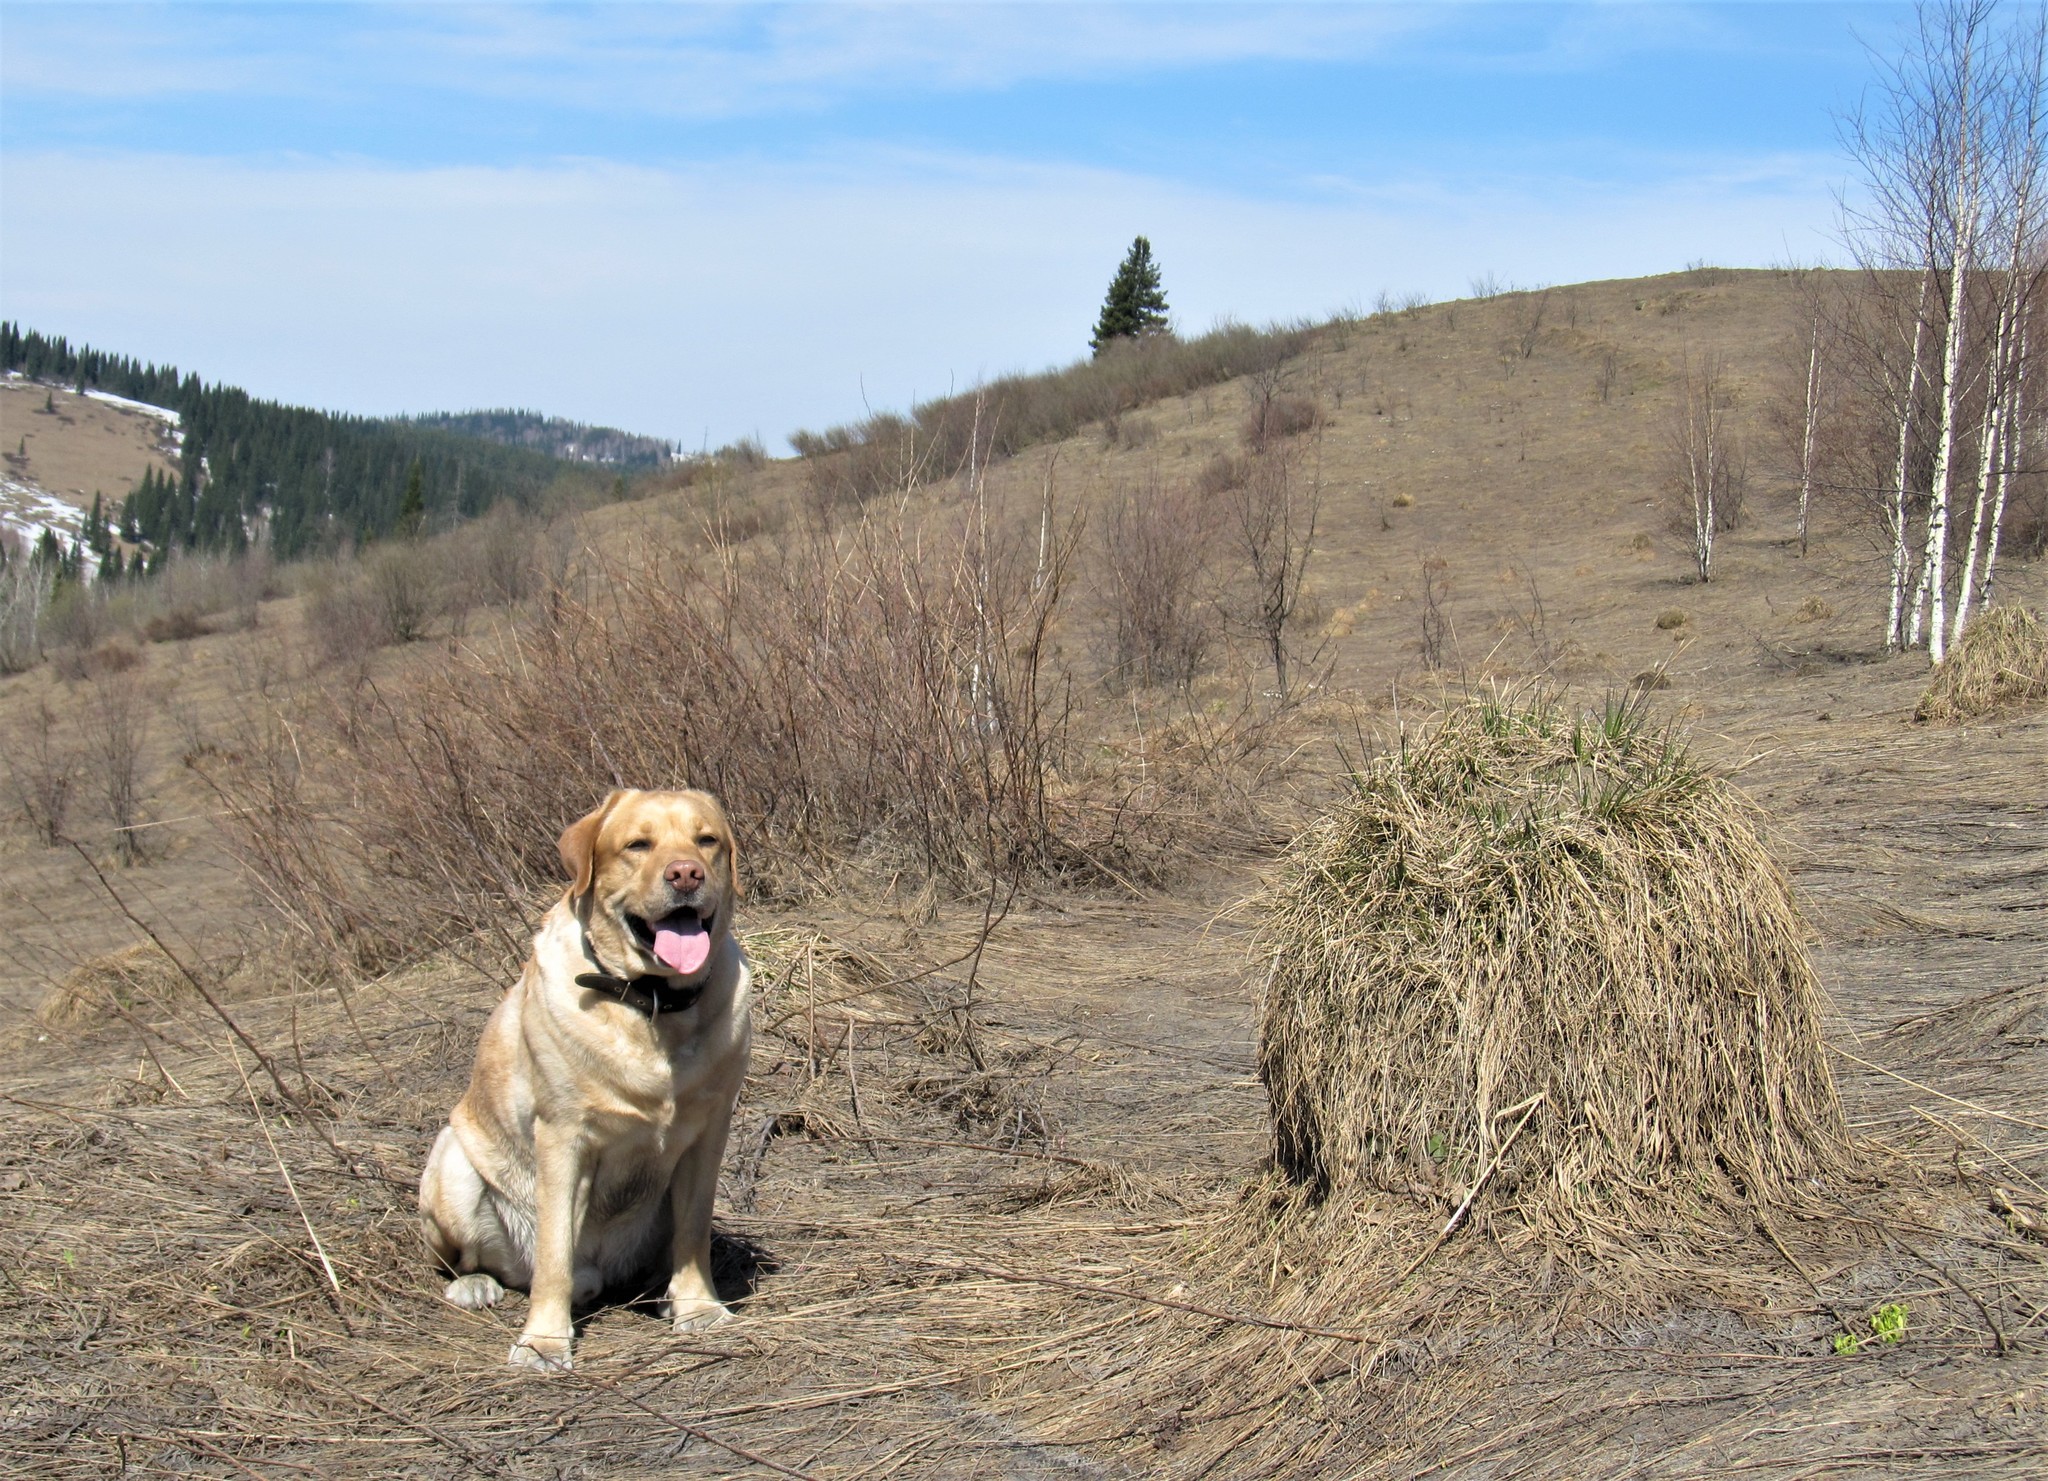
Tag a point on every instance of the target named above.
point(1933, 571)
point(1894, 632)
point(1989, 450)
point(1812, 420)
point(2015, 435)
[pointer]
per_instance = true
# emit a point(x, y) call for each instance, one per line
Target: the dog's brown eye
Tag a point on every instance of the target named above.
point(639, 845)
point(707, 840)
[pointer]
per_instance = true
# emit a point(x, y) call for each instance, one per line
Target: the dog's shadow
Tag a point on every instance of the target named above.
point(738, 1267)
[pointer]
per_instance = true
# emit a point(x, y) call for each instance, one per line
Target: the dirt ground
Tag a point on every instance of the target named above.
point(958, 1184)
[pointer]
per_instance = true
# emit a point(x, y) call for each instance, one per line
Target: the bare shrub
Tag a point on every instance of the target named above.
point(504, 571)
point(24, 598)
point(114, 723)
point(877, 696)
point(1606, 376)
point(43, 767)
point(77, 617)
point(288, 843)
point(1222, 474)
point(1135, 432)
point(1435, 625)
point(176, 626)
point(251, 580)
point(856, 462)
point(405, 589)
point(747, 453)
point(1529, 312)
point(1534, 620)
point(1278, 416)
point(1273, 515)
point(1154, 550)
point(341, 616)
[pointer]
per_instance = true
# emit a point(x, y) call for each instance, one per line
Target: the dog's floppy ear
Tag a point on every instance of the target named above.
point(578, 844)
point(732, 858)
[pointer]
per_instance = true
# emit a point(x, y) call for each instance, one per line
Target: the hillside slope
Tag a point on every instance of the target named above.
point(957, 1169)
point(61, 449)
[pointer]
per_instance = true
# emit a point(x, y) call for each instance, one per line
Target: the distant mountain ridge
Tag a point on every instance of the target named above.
point(558, 437)
point(255, 471)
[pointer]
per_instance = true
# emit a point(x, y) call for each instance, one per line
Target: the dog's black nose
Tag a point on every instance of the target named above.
point(683, 875)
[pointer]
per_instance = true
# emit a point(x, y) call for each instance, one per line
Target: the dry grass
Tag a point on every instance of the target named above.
point(2000, 664)
point(1545, 958)
point(136, 978)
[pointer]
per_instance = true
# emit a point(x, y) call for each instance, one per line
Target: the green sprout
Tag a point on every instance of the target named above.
point(1887, 1325)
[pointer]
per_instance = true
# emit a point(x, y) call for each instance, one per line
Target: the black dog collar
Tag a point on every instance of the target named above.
point(651, 994)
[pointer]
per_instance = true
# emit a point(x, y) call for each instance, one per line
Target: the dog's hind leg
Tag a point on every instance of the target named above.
point(462, 1227)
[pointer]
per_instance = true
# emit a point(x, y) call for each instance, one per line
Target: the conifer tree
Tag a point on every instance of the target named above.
point(1135, 304)
point(412, 513)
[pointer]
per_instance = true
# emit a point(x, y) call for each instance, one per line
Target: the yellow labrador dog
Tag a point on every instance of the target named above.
point(587, 1148)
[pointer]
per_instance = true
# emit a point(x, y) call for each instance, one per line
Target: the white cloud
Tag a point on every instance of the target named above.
point(714, 61)
point(737, 299)
point(662, 60)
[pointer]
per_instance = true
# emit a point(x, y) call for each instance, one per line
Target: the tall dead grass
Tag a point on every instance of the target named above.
point(2001, 662)
point(1550, 950)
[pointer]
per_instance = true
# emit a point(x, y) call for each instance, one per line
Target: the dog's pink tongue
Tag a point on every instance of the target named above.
point(684, 947)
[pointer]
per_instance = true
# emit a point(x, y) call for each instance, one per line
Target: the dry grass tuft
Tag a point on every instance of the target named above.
point(2001, 662)
point(1545, 960)
point(1669, 618)
point(138, 977)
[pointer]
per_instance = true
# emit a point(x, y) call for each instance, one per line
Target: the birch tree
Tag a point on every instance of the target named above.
point(1949, 155)
point(1704, 458)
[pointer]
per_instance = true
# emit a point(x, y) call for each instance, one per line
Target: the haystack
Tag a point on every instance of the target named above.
point(1544, 958)
point(2000, 662)
point(135, 977)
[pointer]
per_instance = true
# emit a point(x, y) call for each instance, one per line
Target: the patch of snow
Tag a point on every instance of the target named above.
point(26, 511)
point(161, 413)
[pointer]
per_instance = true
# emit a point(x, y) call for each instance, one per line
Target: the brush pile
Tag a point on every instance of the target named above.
point(1545, 958)
point(2000, 662)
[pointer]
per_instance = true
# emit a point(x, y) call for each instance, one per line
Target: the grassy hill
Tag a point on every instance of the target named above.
point(1005, 736)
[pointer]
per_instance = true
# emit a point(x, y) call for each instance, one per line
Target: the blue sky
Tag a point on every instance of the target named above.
point(709, 221)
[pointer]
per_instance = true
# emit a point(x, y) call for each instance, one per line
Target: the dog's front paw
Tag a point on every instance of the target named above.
point(541, 1354)
point(697, 1313)
point(473, 1292)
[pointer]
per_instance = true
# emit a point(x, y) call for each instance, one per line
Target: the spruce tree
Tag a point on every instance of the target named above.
point(1135, 304)
point(412, 513)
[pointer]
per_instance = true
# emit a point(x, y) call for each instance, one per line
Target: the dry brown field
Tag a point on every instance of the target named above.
point(80, 448)
point(978, 1207)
